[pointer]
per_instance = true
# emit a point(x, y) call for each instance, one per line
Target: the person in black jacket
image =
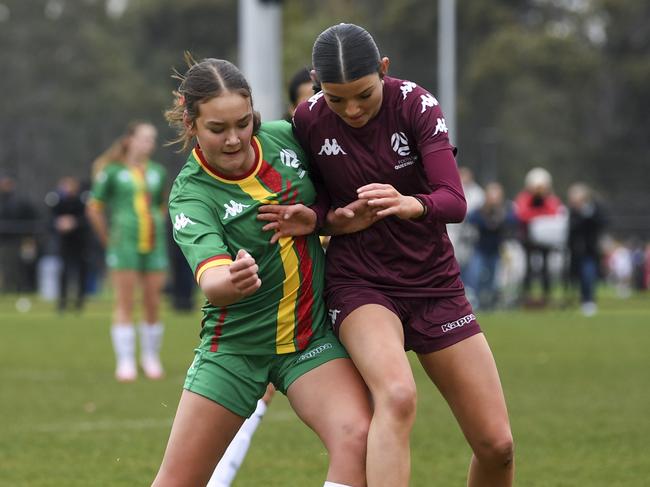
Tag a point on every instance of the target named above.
point(71, 233)
point(586, 224)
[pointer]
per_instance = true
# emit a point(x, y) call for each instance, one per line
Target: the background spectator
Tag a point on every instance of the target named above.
point(463, 237)
point(586, 224)
point(70, 230)
point(492, 220)
point(18, 239)
point(542, 228)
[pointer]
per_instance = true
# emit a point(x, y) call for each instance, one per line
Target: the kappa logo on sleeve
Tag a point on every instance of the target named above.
point(331, 148)
point(441, 127)
point(406, 88)
point(428, 101)
point(181, 221)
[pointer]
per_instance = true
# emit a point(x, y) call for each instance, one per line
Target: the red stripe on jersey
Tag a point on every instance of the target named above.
point(213, 171)
point(271, 178)
point(218, 329)
point(284, 198)
point(206, 261)
point(294, 197)
point(305, 295)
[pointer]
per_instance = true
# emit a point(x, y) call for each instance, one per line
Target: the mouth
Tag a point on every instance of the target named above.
point(354, 121)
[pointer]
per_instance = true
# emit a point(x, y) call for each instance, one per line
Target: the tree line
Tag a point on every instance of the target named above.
point(555, 83)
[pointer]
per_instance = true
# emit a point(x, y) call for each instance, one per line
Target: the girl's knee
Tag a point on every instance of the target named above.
point(399, 401)
point(354, 435)
point(497, 451)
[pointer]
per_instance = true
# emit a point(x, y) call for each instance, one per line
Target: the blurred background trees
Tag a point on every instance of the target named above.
point(557, 83)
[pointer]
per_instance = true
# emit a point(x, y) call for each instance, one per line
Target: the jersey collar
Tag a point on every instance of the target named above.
point(257, 148)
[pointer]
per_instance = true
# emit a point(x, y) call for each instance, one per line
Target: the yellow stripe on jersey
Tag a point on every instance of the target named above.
point(141, 206)
point(286, 329)
point(210, 264)
point(95, 203)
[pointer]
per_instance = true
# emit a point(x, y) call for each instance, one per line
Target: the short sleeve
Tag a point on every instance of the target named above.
point(424, 116)
point(199, 233)
point(102, 185)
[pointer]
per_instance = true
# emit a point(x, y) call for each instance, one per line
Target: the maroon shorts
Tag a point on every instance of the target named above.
point(430, 323)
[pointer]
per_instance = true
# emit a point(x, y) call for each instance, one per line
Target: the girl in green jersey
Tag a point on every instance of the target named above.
point(126, 210)
point(264, 317)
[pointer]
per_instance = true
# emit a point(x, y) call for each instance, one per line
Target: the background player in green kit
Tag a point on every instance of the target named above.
point(131, 188)
point(264, 319)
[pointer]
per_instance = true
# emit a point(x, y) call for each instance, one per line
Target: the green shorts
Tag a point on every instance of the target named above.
point(127, 257)
point(238, 381)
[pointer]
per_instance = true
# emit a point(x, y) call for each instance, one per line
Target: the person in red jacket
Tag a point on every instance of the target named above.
point(543, 227)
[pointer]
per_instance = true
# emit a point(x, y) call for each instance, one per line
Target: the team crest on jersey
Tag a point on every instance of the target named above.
point(153, 178)
point(400, 144)
point(181, 221)
point(427, 101)
point(233, 209)
point(124, 176)
point(406, 88)
point(314, 99)
point(289, 158)
point(331, 148)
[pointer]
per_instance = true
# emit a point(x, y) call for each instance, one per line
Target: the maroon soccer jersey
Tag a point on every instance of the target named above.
point(406, 145)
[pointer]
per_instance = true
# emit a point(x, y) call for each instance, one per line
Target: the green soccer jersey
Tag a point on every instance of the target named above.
point(214, 216)
point(134, 198)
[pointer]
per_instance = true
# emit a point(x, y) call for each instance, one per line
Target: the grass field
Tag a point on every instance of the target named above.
point(578, 391)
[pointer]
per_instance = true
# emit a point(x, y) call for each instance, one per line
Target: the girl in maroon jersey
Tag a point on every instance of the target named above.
point(381, 157)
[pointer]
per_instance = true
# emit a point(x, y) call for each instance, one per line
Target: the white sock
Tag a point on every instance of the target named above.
point(151, 338)
point(334, 484)
point(227, 468)
point(123, 338)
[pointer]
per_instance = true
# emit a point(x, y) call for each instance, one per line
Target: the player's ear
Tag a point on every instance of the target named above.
point(190, 126)
point(383, 66)
point(314, 77)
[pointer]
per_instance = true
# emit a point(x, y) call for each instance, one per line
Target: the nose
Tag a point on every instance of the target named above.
point(352, 109)
point(231, 138)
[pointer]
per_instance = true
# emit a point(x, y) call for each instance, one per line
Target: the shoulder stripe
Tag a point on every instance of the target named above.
point(216, 261)
point(95, 203)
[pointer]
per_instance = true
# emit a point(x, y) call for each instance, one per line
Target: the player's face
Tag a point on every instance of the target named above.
point(356, 102)
point(143, 141)
point(224, 129)
point(304, 92)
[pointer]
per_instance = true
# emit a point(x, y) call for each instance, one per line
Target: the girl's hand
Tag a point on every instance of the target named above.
point(388, 201)
point(287, 220)
point(243, 274)
point(351, 218)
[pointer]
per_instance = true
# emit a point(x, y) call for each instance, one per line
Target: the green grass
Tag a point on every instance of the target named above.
point(578, 392)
